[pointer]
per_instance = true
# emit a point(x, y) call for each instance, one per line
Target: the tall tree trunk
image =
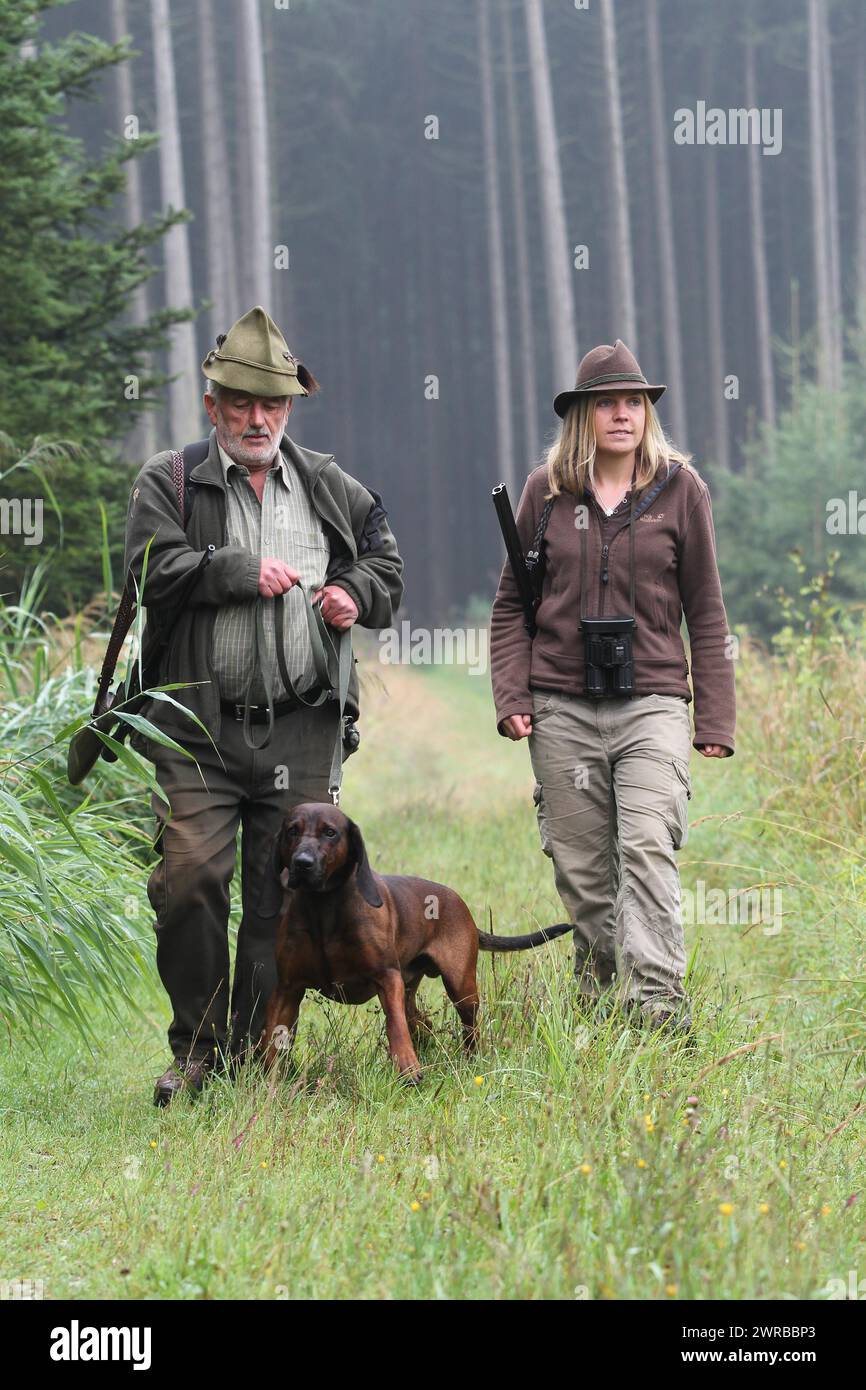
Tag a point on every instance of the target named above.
point(502, 374)
point(222, 274)
point(624, 269)
point(666, 244)
point(796, 345)
point(527, 396)
point(183, 391)
point(284, 298)
point(435, 490)
point(253, 160)
point(715, 321)
point(860, 149)
point(759, 253)
point(820, 246)
point(141, 442)
point(557, 250)
point(832, 195)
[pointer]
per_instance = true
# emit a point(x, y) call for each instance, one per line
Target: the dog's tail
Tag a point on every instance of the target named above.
point(488, 942)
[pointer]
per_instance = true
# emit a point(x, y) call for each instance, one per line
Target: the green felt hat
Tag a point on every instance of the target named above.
point(254, 357)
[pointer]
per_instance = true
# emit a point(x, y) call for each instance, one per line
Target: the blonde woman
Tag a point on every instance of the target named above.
point(622, 527)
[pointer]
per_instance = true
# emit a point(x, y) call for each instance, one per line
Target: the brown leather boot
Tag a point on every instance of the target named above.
point(185, 1074)
point(672, 1022)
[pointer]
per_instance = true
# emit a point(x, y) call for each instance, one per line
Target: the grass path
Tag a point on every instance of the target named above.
point(565, 1163)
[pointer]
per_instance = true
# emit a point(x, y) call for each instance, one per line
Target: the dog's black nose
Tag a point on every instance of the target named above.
point(304, 860)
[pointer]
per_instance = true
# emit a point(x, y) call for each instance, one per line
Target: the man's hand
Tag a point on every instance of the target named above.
point(339, 609)
point(518, 726)
point(712, 750)
point(276, 577)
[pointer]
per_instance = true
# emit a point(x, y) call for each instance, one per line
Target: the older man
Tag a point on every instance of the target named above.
point(250, 600)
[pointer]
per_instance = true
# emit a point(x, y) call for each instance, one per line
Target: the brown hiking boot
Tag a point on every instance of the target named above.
point(675, 1023)
point(185, 1074)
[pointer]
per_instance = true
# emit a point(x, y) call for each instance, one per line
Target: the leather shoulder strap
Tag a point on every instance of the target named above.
point(178, 480)
point(181, 467)
point(534, 558)
point(193, 455)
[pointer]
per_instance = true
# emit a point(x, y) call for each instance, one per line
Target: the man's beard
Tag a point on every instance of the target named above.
point(241, 450)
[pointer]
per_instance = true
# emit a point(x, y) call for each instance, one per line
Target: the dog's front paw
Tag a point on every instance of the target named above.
point(409, 1068)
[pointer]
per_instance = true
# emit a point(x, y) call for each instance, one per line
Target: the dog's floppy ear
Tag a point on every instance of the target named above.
point(273, 885)
point(366, 882)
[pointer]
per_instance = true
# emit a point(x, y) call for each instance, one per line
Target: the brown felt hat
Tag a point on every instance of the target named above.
point(606, 368)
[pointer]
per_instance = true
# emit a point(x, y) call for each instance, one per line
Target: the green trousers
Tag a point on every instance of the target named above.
point(197, 827)
point(612, 791)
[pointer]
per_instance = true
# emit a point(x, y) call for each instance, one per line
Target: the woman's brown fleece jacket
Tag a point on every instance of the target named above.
point(675, 573)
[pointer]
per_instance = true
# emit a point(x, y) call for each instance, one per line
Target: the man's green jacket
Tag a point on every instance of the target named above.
point(363, 560)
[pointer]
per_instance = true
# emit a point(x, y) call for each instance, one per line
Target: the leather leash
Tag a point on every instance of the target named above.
point(332, 666)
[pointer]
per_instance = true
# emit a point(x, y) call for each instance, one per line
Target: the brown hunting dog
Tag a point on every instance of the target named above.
point(352, 934)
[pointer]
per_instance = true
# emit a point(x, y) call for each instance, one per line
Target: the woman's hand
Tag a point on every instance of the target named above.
point(712, 750)
point(518, 726)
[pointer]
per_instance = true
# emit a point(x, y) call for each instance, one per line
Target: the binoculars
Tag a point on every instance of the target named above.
point(608, 658)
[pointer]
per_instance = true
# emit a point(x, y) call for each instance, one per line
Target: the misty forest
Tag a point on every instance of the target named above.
point(443, 206)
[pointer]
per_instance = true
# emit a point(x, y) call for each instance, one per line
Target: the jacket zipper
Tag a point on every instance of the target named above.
point(605, 551)
point(605, 564)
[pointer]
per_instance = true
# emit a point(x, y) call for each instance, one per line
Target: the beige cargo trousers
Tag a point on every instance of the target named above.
point(612, 793)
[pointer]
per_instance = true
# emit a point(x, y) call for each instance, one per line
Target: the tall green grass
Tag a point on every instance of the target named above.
point(75, 925)
point(72, 932)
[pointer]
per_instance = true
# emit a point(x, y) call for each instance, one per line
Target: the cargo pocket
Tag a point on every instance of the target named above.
point(544, 703)
point(681, 788)
point(542, 819)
